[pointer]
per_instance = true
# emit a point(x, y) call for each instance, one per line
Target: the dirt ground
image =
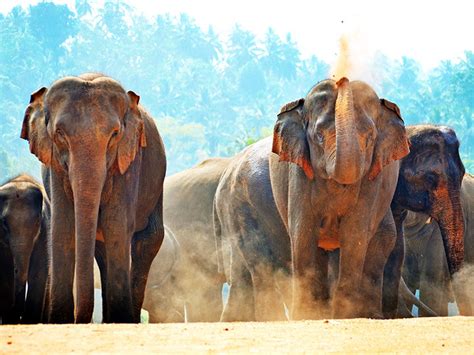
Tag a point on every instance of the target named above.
point(451, 334)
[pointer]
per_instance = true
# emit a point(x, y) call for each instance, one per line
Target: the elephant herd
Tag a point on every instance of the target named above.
point(344, 212)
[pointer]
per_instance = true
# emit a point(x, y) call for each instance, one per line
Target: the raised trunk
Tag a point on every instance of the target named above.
point(87, 180)
point(346, 164)
point(447, 211)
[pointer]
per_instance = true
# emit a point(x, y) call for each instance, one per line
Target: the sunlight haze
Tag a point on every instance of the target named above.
point(426, 31)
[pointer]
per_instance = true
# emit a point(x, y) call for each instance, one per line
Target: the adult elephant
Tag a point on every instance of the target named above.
point(343, 143)
point(429, 182)
point(426, 267)
point(106, 165)
point(194, 279)
point(24, 234)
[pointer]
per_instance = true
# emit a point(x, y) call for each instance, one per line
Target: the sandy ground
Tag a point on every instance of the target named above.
point(452, 334)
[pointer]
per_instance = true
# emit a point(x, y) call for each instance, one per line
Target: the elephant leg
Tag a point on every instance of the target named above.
point(118, 292)
point(117, 237)
point(62, 255)
point(411, 275)
point(380, 247)
point(463, 289)
point(205, 303)
point(240, 304)
point(348, 298)
point(435, 281)
point(145, 246)
point(7, 284)
point(101, 258)
point(37, 281)
point(304, 262)
point(391, 276)
point(268, 303)
point(333, 271)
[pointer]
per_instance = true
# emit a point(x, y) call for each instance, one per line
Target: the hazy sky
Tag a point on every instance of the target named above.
point(428, 31)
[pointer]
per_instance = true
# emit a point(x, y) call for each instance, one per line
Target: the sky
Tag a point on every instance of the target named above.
point(428, 31)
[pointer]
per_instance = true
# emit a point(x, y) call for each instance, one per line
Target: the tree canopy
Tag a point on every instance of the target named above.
point(210, 96)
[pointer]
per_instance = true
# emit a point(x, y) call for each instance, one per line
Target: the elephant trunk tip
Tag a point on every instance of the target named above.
point(342, 81)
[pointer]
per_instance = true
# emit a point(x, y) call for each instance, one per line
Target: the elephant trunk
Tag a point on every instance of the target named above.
point(87, 174)
point(21, 265)
point(447, 211)
point(21, 249)
point(346, 163)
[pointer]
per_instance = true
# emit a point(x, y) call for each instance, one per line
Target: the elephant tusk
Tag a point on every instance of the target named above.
point(428, 221)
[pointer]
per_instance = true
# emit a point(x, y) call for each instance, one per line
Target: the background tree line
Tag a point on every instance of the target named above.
point(210, 97)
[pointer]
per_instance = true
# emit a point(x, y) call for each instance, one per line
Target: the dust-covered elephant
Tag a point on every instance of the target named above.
point(105, 164)
point(326, 179)
point(426, 268)
point(24, 233)
point(429, 182)
point(194, 279)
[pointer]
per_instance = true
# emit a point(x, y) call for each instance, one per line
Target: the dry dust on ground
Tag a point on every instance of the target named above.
point(453, 334)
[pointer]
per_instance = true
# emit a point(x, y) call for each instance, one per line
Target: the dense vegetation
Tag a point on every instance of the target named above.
point(209, 96)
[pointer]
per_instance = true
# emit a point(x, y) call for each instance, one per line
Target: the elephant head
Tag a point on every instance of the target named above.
point(430, 182)
point(85, 129)
point(341, 131)
point(21, 203)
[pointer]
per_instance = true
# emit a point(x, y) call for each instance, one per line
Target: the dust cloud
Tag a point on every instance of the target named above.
point(463, 284)
point(356, 60)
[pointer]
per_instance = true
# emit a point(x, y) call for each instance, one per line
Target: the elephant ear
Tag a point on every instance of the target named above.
point(35, 130)
point(133, 137)
point(289, 137)
point(392, 142)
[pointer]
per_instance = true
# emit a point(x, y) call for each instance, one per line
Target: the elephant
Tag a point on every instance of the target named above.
point(24, 235)
point(161, 301)
point(194, 279)
point(324, 181)
point(426, 267)
point(429, 182)
point(104, 166)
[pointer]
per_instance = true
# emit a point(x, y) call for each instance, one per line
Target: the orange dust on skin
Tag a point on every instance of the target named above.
point(343, 65)
point(328, 242)
point(99, 236)
point(457, 245)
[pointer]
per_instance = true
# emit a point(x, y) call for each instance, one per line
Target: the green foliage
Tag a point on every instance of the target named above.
point(209, 96)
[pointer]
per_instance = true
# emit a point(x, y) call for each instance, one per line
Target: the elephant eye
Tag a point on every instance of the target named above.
point(320, 137)
point(60, 137)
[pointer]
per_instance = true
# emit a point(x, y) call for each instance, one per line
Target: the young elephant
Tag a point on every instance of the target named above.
point(105, 165)
point(426, 267)
point(343, 143)
point(24, 233)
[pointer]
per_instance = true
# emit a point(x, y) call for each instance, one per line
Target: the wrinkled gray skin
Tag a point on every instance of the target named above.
point(429, 182)
point(194, 279)
point(426, 268)
point(105, 165)
point(24, 233)
point(162, 299)
point(344, 143)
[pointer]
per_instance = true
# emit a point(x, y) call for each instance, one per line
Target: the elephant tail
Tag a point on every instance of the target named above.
point(218, 239)
point(410, 298)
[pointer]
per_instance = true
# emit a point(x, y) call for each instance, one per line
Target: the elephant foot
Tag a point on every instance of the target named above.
point(312, 310)
point(63, 315)
point(244, 316)
point(344, 307)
